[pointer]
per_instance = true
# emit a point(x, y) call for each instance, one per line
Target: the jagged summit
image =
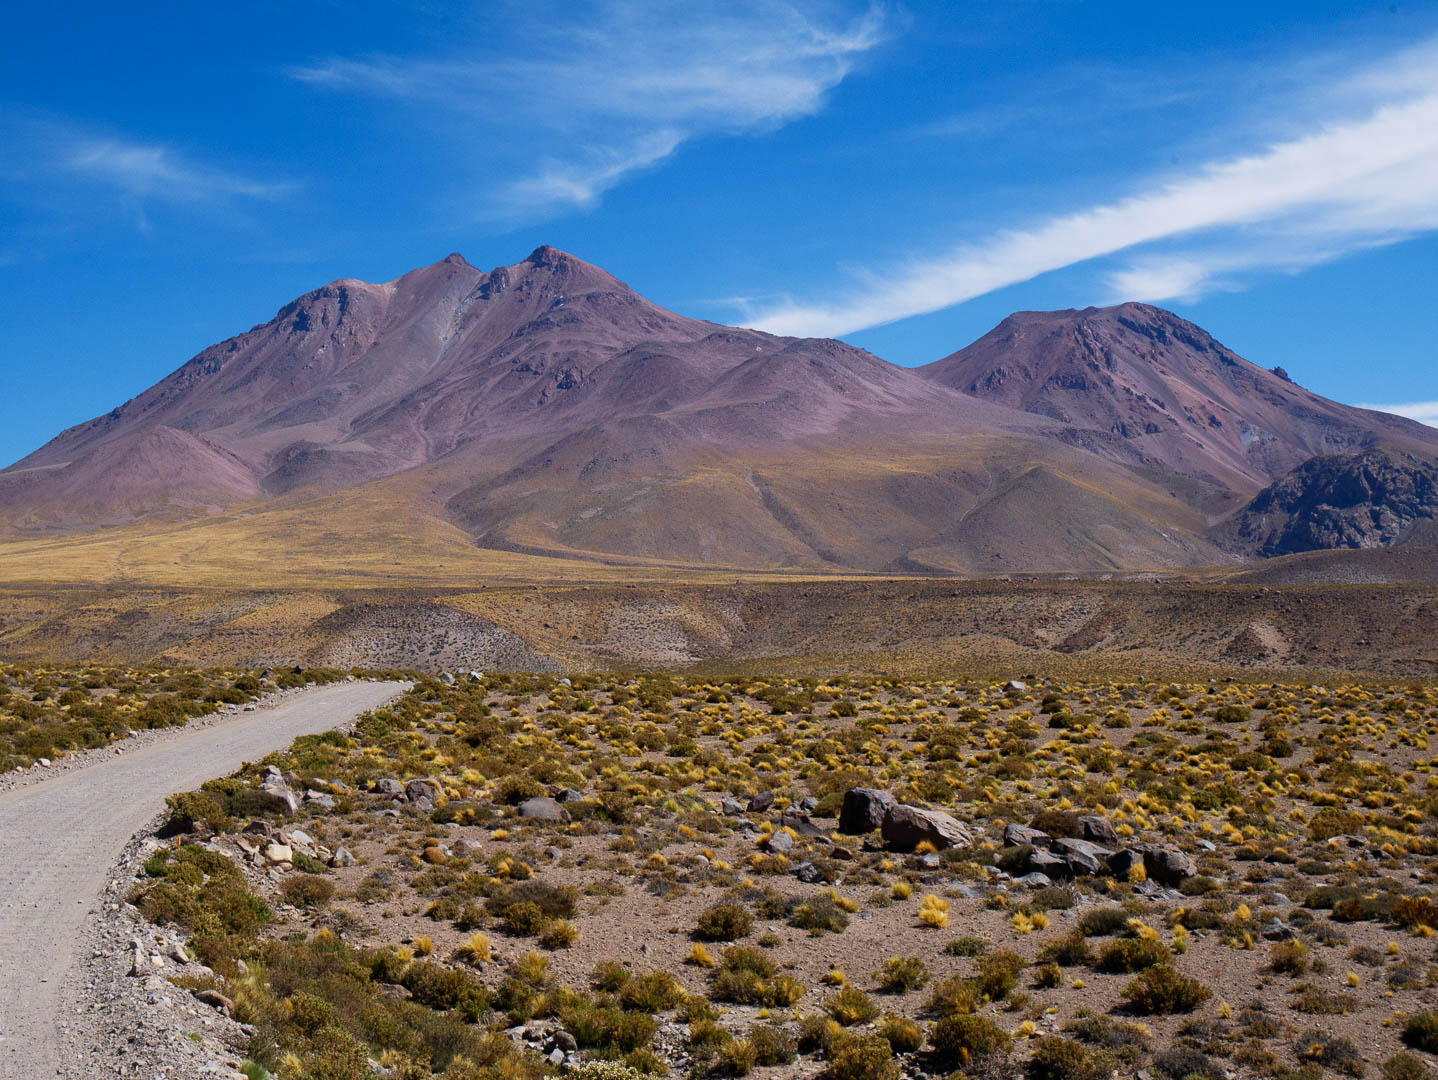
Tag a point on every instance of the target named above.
point(546, 406)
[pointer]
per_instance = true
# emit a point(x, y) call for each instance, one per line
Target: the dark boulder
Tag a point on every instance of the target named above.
point(864, 810)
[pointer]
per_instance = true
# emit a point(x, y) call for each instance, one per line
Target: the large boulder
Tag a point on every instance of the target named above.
point(1167, 865)
point(864, 810)
point(1016, 835)
point(1097, 829)
point(1039, 861)
point(542, 809)
point(1083, 857)
point(906, 827)
point(419, 789)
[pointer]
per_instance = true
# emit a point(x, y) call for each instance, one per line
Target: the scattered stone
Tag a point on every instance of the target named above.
point(1097, 829)
point(1168, 865)
point(761, 802)
point(1016, 835)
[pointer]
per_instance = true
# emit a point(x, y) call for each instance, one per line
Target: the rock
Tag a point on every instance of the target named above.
point(809, 804)
point(1016, 835)
point(475, 675)
point(389, 786)
point(215, 1000)
point(730, 806)
point(542, 809)
point(808, 873)
point(930, 860)
point(279, 853)
point(419, 789)
point(569, 795)
point(1278, 930)
point(342, 857)
point(1168, 865)
point(906, 827)
point(565, 1041)
point(841, 853)
point(1097, 829)
point(1013, 686)
point(281, 799)
point(1121, 863)
point(556, 1056)
point(864, 810)
point(779, 842)
point(761, 802)
point(1082, 856)
point(1206, 845)
point(1035, 880)
point(393, 991)
point(1048, 864)
point(446, 678)
point(300, 839)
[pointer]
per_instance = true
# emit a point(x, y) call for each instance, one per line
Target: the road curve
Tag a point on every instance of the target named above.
point(60, 838)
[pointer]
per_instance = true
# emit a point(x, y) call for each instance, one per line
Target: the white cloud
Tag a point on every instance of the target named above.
point(1425, 412)
point(47, 151)
point(1346, 184)
point(619, 85)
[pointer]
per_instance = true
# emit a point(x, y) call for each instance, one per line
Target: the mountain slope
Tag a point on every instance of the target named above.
point(1367, 500)
point(543, 413)
point(1140, 384)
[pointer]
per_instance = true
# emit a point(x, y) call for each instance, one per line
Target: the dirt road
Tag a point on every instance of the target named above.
point(59, 838)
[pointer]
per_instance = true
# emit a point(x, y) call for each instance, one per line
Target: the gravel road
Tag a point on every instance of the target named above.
point(59, 839)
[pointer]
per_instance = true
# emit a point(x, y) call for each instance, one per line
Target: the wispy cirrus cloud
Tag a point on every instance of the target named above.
point(49, 151)
point(1425, 412)
point(618, 86)
point(1366, 178)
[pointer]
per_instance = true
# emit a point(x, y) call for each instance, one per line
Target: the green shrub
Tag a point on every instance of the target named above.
point(1420, 1031)
point(1103, 922)
point(902, 1034)
point(1057, 1058)
point(820, 915)
point(957, 1039)
point(773, 1045)
point(851, 1006)
point(724, 922)
point(865, 1057)
point(307, 890)
point(1124, 956)
point(901, 974)
point(1162, 990)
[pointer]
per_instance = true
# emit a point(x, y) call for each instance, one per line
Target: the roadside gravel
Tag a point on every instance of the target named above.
point(68, 1005)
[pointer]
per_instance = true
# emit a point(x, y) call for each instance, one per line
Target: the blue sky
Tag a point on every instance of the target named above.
point(899, 174)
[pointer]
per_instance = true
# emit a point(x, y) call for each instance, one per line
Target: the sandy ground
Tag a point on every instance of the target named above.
point(60, 838)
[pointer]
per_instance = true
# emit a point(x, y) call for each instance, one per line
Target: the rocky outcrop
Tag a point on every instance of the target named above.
point(1366, 500)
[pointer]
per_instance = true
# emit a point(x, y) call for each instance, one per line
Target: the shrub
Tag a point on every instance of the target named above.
point(1103, 922)
point(1420, 1031)
point(820, 915)
point(967, 946)
point(525, 919)
point(655, 992)
point(901, 974)
point(1405, 1066)
point(902, 1034)
point(955, 996)
point(1057, 1058)
point(736, 1057)
point(1330, 1051)
point(959, 1038)
point(773, 1045)
point(1289, 957)
point(1162, 990)
point(1127, 955)
point(560, 934)
point(861, 1058)
point(1182, 1062)
point(998, 974)
point(307, 890)
point(1068, 951)
point(724, 922)
point(851, 1006)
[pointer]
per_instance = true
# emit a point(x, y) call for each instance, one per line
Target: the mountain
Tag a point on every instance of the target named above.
point(545, 410)
point(1366, 500)
point(1141, 385)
